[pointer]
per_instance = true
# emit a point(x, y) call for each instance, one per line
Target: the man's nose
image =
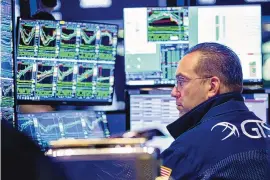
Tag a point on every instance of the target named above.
point(174, 92)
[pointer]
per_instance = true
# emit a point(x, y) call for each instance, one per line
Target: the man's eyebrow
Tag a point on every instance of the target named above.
point(179, 75)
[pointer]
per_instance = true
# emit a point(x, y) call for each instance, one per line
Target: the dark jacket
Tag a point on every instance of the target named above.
point(219, 139)
point(22, 159)
point(43, 15)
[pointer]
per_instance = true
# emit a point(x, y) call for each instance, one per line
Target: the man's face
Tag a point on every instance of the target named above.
point(191, 91)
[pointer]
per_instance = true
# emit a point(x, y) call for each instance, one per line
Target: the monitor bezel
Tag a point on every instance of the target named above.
point(60, 101)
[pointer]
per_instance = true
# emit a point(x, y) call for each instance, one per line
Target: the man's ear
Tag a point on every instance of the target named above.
point(214, 86)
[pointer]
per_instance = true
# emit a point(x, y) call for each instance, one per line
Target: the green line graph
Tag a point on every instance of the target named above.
point(41, 75)
point(62, 74)
point(22, 72)
point(47, 35)
point(85, 75)
point(27, 34)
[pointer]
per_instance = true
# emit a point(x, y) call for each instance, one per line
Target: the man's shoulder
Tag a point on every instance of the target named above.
point(43, 15)
point(220, 136)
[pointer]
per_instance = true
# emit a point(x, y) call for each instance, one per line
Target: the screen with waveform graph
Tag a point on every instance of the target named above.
point(108, 43)
point(167, 24)
point(46, 127)
point(85, 86)
point(63, 68)
point(27, 39)
point(7, 114)
point(104, 82)
point(7, 97)
point(88, 42)
point(44, 79)
point(68, 41)
point(47, 40)
point(24, 78)
point(65, 80)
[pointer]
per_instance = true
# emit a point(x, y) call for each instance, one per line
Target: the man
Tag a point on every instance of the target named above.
point(216, 137)
point(45, 10)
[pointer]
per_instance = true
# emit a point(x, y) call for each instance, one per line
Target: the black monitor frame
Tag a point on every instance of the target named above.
point(59, 102)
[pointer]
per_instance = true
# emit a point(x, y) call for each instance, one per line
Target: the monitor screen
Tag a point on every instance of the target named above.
point(149, 111)
point(6, 63)
point(51, 126)
point(258, 103)
point(7, 114)
point(157, 38)
point(7, 96)
point(65, 62)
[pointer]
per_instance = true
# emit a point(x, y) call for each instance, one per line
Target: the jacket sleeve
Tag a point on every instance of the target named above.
point(180, 163)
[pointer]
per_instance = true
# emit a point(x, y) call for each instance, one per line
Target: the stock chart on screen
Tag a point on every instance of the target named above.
point(157, 38)
point(51, 126)
point(7, 97)
point(167, 24)
point(6, 66)
point(63, 61)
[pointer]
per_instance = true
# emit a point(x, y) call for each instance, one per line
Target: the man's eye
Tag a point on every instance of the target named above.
point(181, 83)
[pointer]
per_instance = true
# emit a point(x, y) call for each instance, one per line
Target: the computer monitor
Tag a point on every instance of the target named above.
point(50, 126)
point(157, 38)
point(6, 62)
point(259, 104)
point(149, 111)
point(65, 62)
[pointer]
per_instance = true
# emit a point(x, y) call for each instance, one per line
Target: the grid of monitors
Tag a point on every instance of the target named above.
point(63, 61)
point(157, 38)
point(6, 63)
point(51, 126)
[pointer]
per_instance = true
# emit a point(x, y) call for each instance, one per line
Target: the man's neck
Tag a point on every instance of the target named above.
point(193, 117)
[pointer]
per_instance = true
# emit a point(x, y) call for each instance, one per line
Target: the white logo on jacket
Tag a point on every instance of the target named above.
point(259, 130)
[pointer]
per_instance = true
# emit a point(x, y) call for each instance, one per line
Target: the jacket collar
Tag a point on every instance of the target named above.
point(205, 110)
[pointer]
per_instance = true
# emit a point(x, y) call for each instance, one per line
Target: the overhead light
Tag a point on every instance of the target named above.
point(205, 2)
point(95, 3)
